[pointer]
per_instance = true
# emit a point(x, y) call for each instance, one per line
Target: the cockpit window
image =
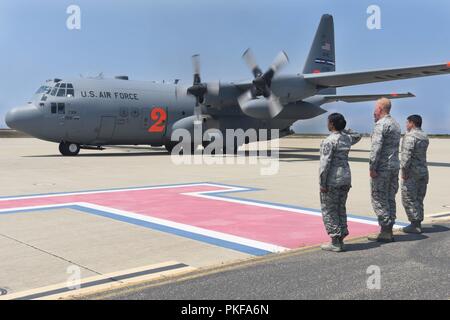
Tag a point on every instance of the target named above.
point(62, 90)
point(53, 91)
point(70, 90)
point(43, 89)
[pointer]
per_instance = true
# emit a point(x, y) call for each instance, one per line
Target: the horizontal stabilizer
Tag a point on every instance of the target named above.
point(368, 97)
point(342, 79)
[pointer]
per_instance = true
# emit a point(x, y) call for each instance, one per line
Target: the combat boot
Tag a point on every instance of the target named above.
point(385, 235)
point(414, 227)
point(334, 246)
point(341, 243)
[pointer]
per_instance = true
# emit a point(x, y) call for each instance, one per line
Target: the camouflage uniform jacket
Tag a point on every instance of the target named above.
point(334, 169)
point(414, 153)
point(385, 145)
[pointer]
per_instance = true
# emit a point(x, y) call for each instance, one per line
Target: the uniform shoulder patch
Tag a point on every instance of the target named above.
point(327, 148)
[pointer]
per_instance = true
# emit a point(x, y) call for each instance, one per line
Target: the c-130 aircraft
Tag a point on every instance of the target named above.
point(91, 113)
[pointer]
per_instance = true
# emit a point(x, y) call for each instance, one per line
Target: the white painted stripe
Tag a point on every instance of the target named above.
point(226, 188)
point(437, 214)
point(213, 234)
point(273, 206)
point(49, 206)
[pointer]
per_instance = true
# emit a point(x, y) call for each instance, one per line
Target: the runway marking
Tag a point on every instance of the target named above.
point(438, 214)
point(103, 282)
point(212, 237)
point(200, 211)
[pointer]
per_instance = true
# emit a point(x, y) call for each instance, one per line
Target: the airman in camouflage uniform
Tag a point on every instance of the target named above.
point(384, 169)
point(335, 180)
point(414, 172)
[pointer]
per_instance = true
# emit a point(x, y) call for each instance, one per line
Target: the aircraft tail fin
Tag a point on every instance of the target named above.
point(321, 57)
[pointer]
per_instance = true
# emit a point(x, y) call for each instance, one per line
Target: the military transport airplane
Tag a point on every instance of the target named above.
point(91, 113)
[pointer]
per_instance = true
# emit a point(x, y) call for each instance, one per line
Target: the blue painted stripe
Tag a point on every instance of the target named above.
point(155, 226)
point(234, 186)
point(179, 232)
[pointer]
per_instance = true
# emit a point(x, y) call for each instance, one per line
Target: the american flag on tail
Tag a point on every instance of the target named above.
point(326, 46)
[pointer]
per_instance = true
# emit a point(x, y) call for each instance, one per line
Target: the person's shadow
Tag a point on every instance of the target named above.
point(400, 237)
point(434, 228)
point(358, 246)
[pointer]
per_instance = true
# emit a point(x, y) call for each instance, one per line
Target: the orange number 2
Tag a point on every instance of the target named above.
point(159, 116)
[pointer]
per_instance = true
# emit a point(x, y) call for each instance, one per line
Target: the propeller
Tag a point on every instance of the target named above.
point(261, 84)
point(200, 89)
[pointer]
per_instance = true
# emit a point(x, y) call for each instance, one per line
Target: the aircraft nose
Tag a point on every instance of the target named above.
point(9, 118)
point(20, 118)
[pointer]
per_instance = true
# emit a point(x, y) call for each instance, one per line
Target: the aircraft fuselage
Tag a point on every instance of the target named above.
point(113, 112)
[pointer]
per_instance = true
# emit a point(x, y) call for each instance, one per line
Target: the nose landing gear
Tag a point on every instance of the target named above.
point(69, 148)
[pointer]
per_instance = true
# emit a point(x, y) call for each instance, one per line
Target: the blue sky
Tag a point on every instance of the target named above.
point(154, 40)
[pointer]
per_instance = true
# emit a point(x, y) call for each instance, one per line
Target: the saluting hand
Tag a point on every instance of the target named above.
point(373, 174)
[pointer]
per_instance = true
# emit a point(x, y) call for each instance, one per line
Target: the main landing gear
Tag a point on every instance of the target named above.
point(69, 148)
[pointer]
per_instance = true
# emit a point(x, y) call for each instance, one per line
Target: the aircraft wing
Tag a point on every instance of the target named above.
point(342, 79)
point(243, 85)
point(368, 97)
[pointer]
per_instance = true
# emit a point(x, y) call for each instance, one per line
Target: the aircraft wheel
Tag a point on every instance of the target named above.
point(169, 146)
point(69, 149)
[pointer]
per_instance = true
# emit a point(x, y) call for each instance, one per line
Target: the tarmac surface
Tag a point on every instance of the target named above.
point(413, 267)
point(54, 214)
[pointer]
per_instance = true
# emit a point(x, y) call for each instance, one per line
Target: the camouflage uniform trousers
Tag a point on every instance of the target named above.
point(383, 190)
point(334, 212)
point(413, 193)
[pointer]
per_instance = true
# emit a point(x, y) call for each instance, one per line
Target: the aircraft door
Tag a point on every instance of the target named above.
point(74, 121)
point(107, 127)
